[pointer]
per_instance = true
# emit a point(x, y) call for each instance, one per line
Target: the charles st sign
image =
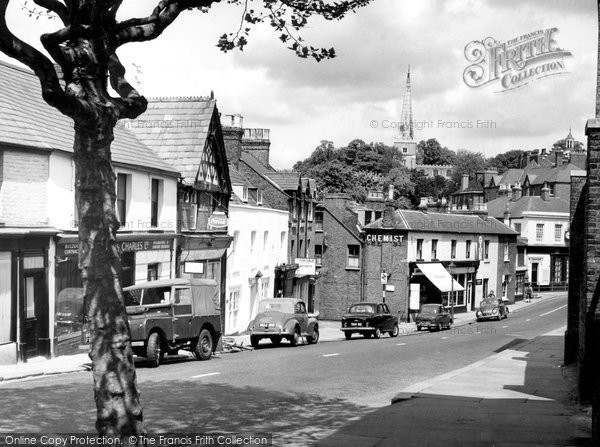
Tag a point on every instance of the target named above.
point(516, 62)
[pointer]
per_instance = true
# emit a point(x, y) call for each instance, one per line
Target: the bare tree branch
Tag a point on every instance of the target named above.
point(152, 26)
point(131, 104)
point(43, 67)
point(56, 7)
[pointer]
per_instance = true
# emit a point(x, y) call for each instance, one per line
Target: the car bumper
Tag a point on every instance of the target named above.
point(427, 324)
point(488, 317)
point(357, 329)
point(267, 332)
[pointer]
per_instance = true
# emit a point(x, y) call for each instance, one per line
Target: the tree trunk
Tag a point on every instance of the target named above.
point(119, 412)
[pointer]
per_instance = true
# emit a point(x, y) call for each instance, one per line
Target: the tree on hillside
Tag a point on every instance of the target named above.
point(85, 50)
point(431, 152)
point(468, 163)
point(507, 160)
point(323, 153)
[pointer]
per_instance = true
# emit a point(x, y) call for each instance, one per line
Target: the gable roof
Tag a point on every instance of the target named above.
point(531, 204)
point(254, 163)
point(26, 121)
point(445, 223)
point(179, 130)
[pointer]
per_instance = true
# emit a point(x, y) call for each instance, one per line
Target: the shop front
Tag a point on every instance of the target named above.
point(144, 257)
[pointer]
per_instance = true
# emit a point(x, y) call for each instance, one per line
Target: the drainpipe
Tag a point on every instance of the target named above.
point(20, 353)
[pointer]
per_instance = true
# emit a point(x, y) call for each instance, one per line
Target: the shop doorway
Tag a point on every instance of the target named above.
point(35, 315)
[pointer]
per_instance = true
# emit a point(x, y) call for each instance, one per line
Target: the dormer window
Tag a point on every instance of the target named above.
point(259, 197)
point(245, 195)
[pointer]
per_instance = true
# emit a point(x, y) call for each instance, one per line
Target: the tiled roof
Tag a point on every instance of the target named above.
point(237, 178)
point(286, 180)
point(474, 186)
point(535, 204)
point(27, 121)
point(445, 223)
point(176, 129)
point(253, 163)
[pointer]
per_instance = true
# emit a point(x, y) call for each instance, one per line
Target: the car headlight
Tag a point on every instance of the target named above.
point(495, 311)
point(478, 313)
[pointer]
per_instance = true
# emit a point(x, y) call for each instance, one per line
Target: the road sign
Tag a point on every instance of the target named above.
point(384, 277)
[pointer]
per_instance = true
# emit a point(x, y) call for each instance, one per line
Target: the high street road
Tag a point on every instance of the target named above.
point(302, 394)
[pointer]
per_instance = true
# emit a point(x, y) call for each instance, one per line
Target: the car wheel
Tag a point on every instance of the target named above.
point(376, 333)
point(204, 346)
point(254, 341)
point(348, 335)
point(314, 338)
point(153, 350)
point(395, 331)
point(276, 340)
point(419, 328)
point(295, 339)
point(367, 334)
point(449, 324)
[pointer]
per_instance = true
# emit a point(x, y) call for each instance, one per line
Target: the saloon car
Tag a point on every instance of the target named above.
point(168, 315)
point(369, 319)
point(283, 318)
point(433, 316)
point(492, 309)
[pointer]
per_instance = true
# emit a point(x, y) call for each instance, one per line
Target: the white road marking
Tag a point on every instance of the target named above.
point(514, 335)
point(331, 355)
point(205, 375)
point(529, 319)
point(553, 310)
point(504, 327)
point(400, 344)
point(444, 338)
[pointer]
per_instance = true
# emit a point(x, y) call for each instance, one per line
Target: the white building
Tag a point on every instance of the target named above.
point(40, 289)
point(260, 239)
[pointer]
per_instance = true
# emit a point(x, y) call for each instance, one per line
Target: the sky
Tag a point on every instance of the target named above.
point(359, 93)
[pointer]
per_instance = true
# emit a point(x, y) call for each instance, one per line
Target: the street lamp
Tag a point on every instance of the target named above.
point(451, 267)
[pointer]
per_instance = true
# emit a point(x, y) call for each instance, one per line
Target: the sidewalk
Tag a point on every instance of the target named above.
point(328, 331)
point(521, 396)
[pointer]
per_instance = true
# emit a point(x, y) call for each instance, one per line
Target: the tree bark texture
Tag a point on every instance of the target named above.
point(119, 412)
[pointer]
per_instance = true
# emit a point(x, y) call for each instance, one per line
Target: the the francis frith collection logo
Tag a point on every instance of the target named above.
point(516, 62)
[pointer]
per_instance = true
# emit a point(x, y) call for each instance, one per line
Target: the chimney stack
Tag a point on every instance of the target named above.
point(516, 192)
point(389, 211)
point(465, 182)
point(545, 193)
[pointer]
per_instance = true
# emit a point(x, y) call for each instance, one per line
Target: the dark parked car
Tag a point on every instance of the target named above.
point(492, 309)
point(280, 318)
point(433, 316)
point(172, 314)
point(369, 319)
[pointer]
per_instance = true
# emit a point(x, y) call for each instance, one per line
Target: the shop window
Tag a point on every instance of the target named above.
point(128, 268)
point(153, 273)
point(353, 256)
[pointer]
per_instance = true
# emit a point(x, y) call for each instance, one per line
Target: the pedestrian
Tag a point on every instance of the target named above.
point(528, 293)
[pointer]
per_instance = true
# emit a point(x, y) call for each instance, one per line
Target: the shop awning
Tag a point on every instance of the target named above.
point(199, 255)
point(439, 276)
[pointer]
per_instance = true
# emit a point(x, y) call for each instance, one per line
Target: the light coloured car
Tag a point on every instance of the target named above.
point(283, 318)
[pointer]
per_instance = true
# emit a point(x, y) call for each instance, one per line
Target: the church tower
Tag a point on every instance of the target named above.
point(569, 141)
point(404, 139)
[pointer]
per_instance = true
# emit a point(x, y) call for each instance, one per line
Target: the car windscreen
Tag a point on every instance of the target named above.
point(430, 309)
point(362, 309)
point(489, 302)
point(133, 297)
point(285, 306)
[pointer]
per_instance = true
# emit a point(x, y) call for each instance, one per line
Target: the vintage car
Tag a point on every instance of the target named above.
point(168, 315)
point(433, 316)
point(369, 319)
point(492, 309)
point(280, 318)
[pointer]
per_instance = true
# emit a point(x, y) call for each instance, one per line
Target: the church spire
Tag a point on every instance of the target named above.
point(405, 129)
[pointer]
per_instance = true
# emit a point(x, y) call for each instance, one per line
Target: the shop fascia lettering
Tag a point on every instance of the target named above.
point(377, 239)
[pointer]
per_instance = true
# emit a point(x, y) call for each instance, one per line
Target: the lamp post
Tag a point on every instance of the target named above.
point(451, 267)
